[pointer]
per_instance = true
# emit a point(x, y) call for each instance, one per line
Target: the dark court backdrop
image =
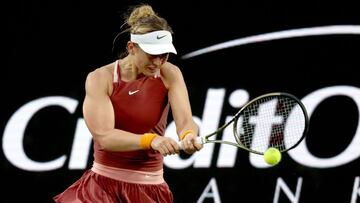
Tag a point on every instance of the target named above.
point(229, 52)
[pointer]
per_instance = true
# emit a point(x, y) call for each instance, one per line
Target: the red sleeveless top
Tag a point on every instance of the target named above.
point(140, 106)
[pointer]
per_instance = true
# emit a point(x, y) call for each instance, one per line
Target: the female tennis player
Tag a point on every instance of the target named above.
point(126, 108)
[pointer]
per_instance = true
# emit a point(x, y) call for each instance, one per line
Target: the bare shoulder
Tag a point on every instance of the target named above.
point(169, 68)
point(102, 73)
point(100, 77)
point(170, 73)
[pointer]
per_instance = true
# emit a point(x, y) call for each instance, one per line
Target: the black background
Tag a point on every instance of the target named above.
point(50, 46)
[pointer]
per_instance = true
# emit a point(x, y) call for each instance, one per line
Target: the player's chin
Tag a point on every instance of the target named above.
point(152, 72)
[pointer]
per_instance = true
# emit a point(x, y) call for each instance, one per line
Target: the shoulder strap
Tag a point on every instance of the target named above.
point(116, 71)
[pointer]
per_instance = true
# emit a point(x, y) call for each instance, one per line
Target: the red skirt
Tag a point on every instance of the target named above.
point(95, 188)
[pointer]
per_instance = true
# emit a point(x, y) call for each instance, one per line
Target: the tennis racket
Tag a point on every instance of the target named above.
point(275, 119)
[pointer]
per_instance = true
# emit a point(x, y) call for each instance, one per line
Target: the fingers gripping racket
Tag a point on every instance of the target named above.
point(276, 120)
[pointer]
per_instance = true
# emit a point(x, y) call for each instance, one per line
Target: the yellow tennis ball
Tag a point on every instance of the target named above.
point(272, 156)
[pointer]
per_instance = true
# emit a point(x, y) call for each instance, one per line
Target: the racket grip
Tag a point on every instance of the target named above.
point(199, 140)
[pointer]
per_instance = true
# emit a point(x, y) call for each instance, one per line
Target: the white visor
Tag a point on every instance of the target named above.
point(155, 43)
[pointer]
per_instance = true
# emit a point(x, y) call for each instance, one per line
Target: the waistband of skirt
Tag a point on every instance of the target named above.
point(131, 176)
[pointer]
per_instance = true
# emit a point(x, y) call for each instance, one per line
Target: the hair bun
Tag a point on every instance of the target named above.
point(141, 11)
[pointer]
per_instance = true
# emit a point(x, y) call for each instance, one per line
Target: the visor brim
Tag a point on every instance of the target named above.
point(157, 49)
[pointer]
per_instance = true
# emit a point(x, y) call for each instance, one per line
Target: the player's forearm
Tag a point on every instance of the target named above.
point(187, 127)
point(118, 140)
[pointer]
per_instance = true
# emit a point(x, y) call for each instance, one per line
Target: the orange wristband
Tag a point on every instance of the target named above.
point(146, 139)
point(186, 133)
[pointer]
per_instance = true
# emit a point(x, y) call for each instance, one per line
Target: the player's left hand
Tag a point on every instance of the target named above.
point(190, 145)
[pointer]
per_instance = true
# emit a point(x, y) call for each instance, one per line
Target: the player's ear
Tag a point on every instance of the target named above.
point(130, 47)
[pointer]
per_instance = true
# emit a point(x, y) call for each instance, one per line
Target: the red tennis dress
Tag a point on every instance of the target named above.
point(140, 106)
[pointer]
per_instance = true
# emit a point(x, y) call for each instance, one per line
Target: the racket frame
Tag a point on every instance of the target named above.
point(205, 139)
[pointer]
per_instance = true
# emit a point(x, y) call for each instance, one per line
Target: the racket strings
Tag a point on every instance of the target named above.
point(267, 122)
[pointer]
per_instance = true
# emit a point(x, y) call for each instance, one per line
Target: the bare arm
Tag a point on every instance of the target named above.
point(99, 114)
point(181, 109)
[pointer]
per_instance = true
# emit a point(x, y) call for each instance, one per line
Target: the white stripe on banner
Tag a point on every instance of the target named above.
point(302, 32)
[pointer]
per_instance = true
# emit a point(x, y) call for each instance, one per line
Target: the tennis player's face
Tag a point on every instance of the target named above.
point(149, 64)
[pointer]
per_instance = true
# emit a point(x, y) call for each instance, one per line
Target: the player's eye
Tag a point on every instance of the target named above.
point(161, 56)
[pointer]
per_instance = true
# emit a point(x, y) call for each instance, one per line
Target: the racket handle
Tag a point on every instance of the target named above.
point(199, 140)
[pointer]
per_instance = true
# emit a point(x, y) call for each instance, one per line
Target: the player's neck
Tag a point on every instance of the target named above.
point(129, 71)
